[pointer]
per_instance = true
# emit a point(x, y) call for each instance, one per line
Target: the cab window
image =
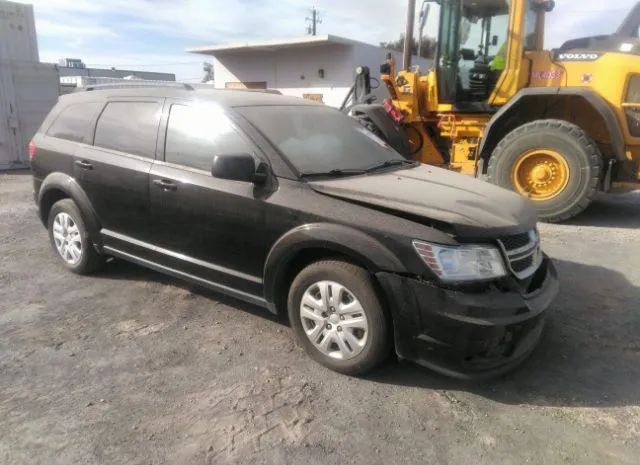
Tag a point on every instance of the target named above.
point(473, 48)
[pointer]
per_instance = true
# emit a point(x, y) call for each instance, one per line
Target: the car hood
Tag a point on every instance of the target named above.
point(433, 195)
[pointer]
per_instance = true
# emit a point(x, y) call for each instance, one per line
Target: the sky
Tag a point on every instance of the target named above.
point(151, 35)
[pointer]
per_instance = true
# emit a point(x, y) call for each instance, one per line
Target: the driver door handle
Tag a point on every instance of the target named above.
point(165, 185)
point(85, 165)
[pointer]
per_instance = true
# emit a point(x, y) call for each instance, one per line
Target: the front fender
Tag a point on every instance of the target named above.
point(56, 182)
point(332, 237)
point(494, 129)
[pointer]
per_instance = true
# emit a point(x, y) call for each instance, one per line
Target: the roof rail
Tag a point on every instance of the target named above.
point(137, 85)
point(263, 91)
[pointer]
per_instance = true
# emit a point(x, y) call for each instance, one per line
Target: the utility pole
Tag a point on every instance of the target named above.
point(408, 35)
point(424, 15)
point(313, 21)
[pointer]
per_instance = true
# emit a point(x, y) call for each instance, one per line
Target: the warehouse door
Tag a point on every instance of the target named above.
point(9, 146)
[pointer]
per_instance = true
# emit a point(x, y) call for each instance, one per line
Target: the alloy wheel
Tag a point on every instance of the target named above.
point(67, 238)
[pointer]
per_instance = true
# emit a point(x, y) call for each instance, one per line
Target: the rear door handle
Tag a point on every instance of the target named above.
point(85, 165)
point(165, 185)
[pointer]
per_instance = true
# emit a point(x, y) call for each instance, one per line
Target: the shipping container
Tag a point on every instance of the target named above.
point(18, 40)
point(28, 91)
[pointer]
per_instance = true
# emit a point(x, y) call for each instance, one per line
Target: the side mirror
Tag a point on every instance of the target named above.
point(468, 54)
point(494, 41)
point(239, 167)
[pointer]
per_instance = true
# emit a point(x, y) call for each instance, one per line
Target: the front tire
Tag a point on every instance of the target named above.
point(552, 162)
point(338, 318)
point(70, 238)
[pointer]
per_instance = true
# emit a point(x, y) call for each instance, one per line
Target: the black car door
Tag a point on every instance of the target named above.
point(114, 171)
point(206, 227)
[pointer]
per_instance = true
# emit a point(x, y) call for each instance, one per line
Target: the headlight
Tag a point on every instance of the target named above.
point(462, 263)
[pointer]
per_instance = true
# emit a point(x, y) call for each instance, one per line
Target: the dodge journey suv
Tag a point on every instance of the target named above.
point(295, 207)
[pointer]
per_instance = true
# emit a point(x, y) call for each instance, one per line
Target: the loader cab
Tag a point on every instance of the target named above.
point(473, 48)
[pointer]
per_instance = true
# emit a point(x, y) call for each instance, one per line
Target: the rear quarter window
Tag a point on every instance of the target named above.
point(73, 123)
point(130, 127)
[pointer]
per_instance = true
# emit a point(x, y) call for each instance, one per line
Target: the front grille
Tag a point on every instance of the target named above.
point(522, 252)
point(515, 242)
point(633, 120)
point(632, 105)
point(522, 265)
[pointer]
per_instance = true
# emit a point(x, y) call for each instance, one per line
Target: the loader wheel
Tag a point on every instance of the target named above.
point(553, 163)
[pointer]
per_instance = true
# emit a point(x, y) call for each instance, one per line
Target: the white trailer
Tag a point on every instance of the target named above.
point(28, 91)
point(18, 40)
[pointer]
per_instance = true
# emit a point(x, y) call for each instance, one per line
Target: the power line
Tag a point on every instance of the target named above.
point(146, 65)
point(606, 10)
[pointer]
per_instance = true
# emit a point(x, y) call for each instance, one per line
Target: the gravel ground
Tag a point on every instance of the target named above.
point(132, 367)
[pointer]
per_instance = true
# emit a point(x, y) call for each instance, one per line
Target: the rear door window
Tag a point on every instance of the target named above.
point(130, 127)
point(195, 134)
point(73, 122)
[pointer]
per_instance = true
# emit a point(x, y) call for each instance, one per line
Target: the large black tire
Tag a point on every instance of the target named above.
point(90, 260)
point(578, 150)
point(359, 283)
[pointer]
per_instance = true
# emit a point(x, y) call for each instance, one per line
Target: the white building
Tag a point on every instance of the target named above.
point(74, 74)
point(28, 88)
point(316, 67)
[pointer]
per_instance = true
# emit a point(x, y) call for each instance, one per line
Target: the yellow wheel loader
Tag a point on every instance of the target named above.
point(554, 125)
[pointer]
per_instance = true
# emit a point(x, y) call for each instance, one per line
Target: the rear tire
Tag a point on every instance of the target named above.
point(348, 330)
point(70, 238)
point(563, 146)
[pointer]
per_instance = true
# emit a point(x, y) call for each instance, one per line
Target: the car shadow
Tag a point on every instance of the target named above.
point(16, 172)
point(611, 211)
point(589, 355)
point(116, 269)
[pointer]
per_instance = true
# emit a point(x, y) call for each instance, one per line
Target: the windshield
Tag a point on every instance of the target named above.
point(318, 139)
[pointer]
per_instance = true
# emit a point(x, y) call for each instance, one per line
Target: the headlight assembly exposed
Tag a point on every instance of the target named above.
point(462, 263)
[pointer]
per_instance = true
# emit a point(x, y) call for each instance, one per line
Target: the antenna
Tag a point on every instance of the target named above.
point(313, 21)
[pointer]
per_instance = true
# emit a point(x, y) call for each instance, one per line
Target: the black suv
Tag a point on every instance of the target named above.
point(293, 206)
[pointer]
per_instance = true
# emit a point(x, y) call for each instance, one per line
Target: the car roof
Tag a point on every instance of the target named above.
point(224, 97)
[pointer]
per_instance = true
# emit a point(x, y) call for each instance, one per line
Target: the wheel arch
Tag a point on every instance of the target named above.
point(580, 106)
point(313, 242)
point(58, 186)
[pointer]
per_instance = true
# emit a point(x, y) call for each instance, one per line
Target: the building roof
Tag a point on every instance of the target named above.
point(275, 44)
point(114, 73)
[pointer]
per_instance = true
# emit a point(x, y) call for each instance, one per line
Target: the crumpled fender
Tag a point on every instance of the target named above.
point(333, 237)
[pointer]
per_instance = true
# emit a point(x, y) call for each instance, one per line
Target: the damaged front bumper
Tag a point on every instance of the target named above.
point(469, 335)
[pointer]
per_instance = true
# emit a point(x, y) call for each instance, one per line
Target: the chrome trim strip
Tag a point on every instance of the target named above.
point(210, 284)
point(177, 166)
point(533, 242)
point(522, 256)
point(516, 255)
point(179, 256)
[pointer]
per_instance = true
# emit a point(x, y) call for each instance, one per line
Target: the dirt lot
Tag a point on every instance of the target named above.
point(131, 367)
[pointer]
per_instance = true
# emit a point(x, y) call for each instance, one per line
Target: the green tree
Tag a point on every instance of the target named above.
point(428, 46)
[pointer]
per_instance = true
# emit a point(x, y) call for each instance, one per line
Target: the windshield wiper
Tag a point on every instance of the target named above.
point(389, 164)
point(334, 173)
